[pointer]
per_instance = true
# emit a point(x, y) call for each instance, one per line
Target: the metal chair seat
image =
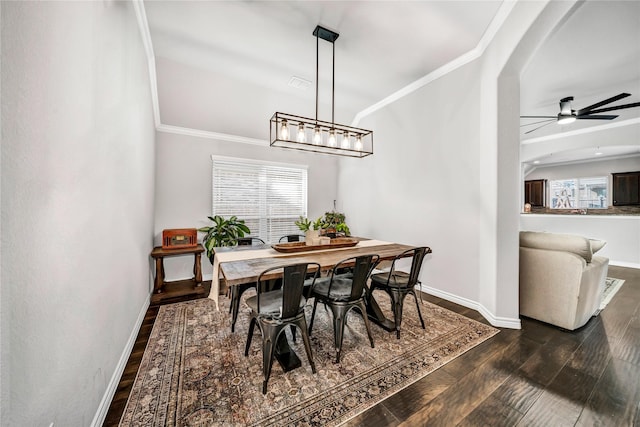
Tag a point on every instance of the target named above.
point(340, 289)
point(270, 303)
point(399, 279)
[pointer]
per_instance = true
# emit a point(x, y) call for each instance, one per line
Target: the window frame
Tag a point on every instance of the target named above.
point(577, 187)
point(260, 176)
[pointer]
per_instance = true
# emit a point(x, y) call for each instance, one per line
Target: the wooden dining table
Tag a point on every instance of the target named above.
point(256, 259)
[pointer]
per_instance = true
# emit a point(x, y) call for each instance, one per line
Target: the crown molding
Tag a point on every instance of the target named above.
point(211, 135)
point(475, 53)
point(143, 26)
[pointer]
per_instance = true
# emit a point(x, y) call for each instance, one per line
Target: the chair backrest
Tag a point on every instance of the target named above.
point(248, 241)
point(362, 267)
point(293, 278)
point(418, 255)
point(292, 238)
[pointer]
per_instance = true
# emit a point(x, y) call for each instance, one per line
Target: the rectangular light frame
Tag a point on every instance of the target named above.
point(309, 125)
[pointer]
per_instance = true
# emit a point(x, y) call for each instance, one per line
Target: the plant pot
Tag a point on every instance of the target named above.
point(330, 232)
point(311, 237)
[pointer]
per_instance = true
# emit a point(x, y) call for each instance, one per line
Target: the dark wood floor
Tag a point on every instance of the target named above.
point(537, 376)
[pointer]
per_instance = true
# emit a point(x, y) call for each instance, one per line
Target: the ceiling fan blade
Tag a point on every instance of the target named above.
point(587, 110)
point(535, 123)
point(604, 117)
point(537, 117)
point(618, 107)
point(529, 131)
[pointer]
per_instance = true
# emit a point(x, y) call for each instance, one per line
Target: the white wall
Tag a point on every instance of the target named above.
point(622, 233)
point(419, 186)
point(183, 185)
point(77, 205)
point(446, 172)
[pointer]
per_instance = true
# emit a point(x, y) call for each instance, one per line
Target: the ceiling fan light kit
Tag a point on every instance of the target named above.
point(565, 120)
point(567, 115)
point(319, 136)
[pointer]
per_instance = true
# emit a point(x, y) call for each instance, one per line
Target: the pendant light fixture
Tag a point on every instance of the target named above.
point(301, 133)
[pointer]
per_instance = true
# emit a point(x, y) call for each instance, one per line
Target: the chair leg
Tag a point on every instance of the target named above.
point(230, 292)
point(235, 307)
point(252, 325)
point(363, 311)
point(339, 313)
point(419, 313)
point(398, 300)
point(302, 324)
point(313, 315)
point(269, 337)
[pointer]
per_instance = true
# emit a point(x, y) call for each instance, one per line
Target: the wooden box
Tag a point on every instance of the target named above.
point(177, 238)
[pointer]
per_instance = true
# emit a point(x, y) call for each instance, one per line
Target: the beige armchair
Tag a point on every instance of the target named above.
point(561, 281)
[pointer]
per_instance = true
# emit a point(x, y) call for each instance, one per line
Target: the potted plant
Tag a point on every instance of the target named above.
point(311, 229)
point(343, 228)
point(334, 223)
point(223, 232)
point(303, 224)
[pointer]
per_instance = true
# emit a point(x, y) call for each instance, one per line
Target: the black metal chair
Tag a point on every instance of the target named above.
point(235, 292)
point(274, 310)
point(342, 292)
point(249, 241)
point(398, 284)
point(292, 238)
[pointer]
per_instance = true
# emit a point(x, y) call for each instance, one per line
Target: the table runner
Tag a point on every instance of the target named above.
point(265, 253)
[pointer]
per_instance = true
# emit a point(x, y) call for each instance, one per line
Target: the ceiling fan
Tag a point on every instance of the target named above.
point(568, 115)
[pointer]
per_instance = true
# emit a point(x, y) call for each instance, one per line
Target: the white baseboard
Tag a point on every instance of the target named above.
point(500, 322)
point(103, 408)
point(624, 264)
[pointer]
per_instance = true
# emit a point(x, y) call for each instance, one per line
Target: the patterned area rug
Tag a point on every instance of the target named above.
point(611, 286)
point(194, 371)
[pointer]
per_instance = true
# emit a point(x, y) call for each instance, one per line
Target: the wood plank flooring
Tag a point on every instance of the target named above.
point(540, 375)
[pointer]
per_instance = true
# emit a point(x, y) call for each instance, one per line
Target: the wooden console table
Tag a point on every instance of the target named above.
point(163, 290)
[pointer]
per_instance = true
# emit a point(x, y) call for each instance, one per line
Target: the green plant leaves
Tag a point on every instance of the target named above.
point(223, 232)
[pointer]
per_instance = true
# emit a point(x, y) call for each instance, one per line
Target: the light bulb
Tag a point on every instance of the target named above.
point(359, 142)
point(345, 140)
point(317, 136)
point(332, 138)
point(565, 120)
point(284, 130)
point(301, 136)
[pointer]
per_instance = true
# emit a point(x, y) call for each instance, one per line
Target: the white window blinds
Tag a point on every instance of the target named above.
point(270, 197)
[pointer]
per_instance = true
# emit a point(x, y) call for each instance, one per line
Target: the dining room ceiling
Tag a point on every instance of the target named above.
point(262, 46)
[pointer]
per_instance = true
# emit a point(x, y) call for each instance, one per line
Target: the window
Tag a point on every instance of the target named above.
point(579, 193)
point(270, 197)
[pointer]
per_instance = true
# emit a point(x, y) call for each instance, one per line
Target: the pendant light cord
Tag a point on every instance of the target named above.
point(333, 77)
point(317, 61)
point(333, 81)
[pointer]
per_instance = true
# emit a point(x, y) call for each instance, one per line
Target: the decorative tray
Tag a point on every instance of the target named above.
point(339, 242)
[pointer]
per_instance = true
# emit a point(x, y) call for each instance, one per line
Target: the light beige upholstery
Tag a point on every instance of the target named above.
point(561, 281)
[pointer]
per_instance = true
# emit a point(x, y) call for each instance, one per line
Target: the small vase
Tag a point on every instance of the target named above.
point(311, 237)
